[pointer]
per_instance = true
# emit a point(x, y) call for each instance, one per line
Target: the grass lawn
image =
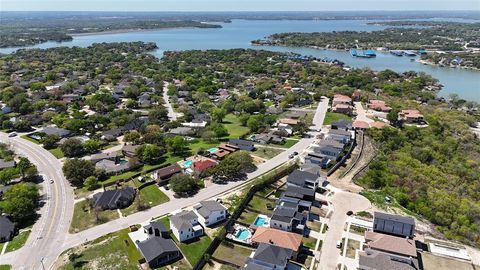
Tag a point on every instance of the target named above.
point(84, 217)
point(259, 203)
point(288, 143)
point(200, 144)
point(181, 264)
point(232, 253)
point(151, 195)
point(232, 124)
point(29, 139)
point(111, 251)
point(57, 152)
point(331, 116)
point(266, 153)
point(314, 225)
point(352, 246)
point(309, 242)
point(193, 251)
point(357, 230)
point(18, 241)
point(5, 267)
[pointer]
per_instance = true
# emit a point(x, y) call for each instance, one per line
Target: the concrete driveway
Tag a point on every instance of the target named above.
point(342, 202)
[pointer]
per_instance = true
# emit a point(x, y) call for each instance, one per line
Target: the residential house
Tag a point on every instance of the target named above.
point(342, 104)
point(378, 105)
point(112, 134)
point(375, 260)
point(328, 151)
point(228, 147)
point(300, 193)
point(181, 131)
point(303, 179)
point(286, 217)
point(279, 238)
point(163, 175)
point(185, 226)
point(296, 114)
point(156, 246)
point(317, 159)
point(195, 124)
point(339, 135)
point(402, 226)
point(411, 116)
point(342, 108)
point(201, 166)
point(130, 150)
point(114, 199)
point(115, 167)
point(210, 212)
point(7, 229)
point(343, 124)
point(51, 130)
point(7, 164)
point(242, 144)
point(113, 156)
point(288, 121)
point(398, 246)
point(269, 257)
point(357, 95)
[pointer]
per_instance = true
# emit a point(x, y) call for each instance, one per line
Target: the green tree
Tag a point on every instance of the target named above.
point(132, 136)
point(176, 144)
point(149, 153)
point(23, 165)
point(91, 182)
point(7, 175)
point(218, 114)
point(20, 201)
point(92, 146)
point(301, 128)
point(181, 183)
point(77, 170)
point(49, 141)
point(72, 148)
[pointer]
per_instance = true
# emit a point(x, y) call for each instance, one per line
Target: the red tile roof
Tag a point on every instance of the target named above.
point(278, 238)
point(202, 165)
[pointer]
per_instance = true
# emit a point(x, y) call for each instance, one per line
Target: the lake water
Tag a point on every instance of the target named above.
point(239, 33)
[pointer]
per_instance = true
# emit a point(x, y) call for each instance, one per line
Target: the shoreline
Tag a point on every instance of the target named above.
point(132, 30)
point(420, 61)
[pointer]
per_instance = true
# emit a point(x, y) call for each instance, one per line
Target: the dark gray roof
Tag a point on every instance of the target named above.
point(393, 224)
point(253, 266)
point(342, 123)
point(332, 143)
point(298, 177)
point(183, 220)
point(205, 208)
point(6, 164)
point(60, 132)
point(375, 260)
point(340, 132)
point(156, 226)
point(299, 192)
point(7, 228)
point(154, 247)
point(272, 254)
point(328, 149)
point(240, 142)
point(109, 198)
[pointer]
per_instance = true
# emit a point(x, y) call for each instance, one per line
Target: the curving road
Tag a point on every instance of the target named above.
point(51, 228)
point(50, 237)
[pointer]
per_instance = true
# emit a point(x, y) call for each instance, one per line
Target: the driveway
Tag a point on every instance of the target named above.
point(342, 203)
point(49, 231)
point(362, 113)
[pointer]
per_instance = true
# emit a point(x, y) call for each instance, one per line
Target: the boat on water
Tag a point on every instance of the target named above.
point(397, 53)
point(363, 53)
point(409, 53)
point(422, 51)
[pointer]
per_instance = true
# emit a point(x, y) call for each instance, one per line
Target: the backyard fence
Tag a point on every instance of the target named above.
point(258, 184)
point(345, 157)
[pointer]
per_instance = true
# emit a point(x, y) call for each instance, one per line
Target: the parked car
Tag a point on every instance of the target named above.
point(13, 134)
point(339, 244)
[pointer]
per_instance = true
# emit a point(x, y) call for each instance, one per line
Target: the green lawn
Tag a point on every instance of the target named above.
point(232, 253)
point(193, 251)
point(288, 143)
point(309, 242)
point(257, 205)
point(149, 195)
point(232, 124)
point(111, 251)
point(57, 152)
point(85, 217)
point(18, 241)
point(5, 267)
point(331, 116)
point(198, 144)
point(266, 153)
point(29, 139)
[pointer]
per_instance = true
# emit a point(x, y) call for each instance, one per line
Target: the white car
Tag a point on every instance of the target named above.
point(13, 134)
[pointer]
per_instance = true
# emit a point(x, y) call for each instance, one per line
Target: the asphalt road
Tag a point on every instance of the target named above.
point(55, 215)
point(172, 115)
point(50, 235)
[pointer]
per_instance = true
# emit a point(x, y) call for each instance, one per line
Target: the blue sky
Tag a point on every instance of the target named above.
point(236, 5)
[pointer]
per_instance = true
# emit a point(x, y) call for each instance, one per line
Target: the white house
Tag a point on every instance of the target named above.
point(210, 212)
point(185, 226)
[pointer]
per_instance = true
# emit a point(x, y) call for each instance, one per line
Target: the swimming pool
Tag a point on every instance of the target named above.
point(212, 150)
point(188, 163)
point(243, 234)
point(259, 221)
point(122, 161)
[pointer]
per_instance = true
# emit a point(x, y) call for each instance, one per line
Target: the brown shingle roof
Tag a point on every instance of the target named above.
point(278, 238)
point(391, 244)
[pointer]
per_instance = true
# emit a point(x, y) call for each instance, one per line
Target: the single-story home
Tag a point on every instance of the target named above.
point(7, 229)
point(164, 174)
point(114, 199)
point(200, 166)
point(242, 144)
point(7, 164)
point(157, 249)
point(51, 130)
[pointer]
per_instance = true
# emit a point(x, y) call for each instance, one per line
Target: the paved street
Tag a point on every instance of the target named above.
point(362, 113)
point(172, 115)
point(51, 228)
point(320, 114)
point(56, 215)
point(342, 203)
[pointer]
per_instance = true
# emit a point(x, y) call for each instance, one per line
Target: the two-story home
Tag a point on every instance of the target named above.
point(303, 179)
point(185, 226)
point(268, 257)
point(210, 212)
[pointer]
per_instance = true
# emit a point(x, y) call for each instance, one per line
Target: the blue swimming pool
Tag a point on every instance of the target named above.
point(259, 221)
point(188, 163)
point(212, 150)
point(243, 234)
